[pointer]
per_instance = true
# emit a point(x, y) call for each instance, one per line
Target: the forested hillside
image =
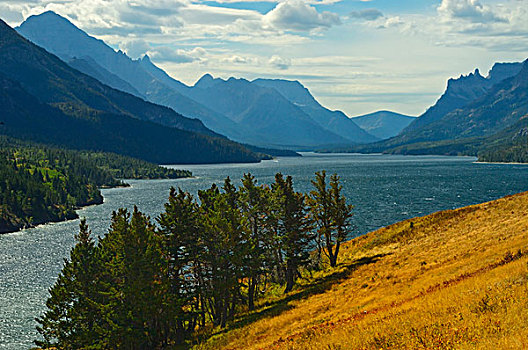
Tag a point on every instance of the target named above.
point(42, 184)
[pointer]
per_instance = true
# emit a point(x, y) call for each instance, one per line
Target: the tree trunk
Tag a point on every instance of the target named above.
point(290, 277)
point(251, 293)
point(336, 252)
point(223, 319)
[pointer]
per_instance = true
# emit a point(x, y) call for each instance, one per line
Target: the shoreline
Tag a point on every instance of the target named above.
point(510, 163)
point(76, 209)
point(26, 226)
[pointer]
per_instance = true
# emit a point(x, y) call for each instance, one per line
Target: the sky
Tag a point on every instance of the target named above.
point(357, 56)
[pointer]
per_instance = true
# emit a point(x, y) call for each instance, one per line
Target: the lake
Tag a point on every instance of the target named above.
point(384, 189)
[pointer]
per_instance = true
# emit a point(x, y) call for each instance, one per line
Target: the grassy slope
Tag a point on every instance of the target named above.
point(455, 279)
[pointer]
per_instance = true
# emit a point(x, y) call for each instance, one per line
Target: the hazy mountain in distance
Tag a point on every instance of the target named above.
point(89, 67)
point(503, 105)
point(60, 37)
point(309, 125)
point(279, 122)
point(335, 121)
point(43, 99)
point(383, 124)
point(492, 120)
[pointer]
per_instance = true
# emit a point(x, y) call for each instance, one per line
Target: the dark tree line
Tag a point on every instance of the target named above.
point(149, 286)
point(123, 167)
point(41, 184)
point(514, 152)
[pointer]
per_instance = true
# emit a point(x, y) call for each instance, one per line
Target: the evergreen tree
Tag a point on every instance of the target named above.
point(144, 287)
point(224, 250)
point(293, 228)
point(254, 203)
point(331, 215)
point(72, 314)
point(133, 290)
point(182, 248)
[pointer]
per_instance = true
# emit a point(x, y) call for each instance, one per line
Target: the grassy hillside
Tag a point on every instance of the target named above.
point(453, 279)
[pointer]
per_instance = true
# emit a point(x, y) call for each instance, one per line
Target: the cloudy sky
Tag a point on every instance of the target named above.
point(355, 55)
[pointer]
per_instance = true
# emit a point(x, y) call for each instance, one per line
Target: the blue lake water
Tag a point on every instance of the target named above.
point(384, 189)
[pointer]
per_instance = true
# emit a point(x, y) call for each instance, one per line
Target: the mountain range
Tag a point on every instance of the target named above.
point(262, 112)
point(468, 118)
point(471, 117)
point(44, 99)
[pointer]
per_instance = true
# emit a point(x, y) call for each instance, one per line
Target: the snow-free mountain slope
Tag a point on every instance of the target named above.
point(60, 37)
point(383, 124)
point(43, 99)
point(463, 90)
point(88, 66)
point(334, 121)
point(280, 122)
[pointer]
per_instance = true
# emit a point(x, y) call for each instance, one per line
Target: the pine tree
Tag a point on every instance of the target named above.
point(293, 228)
point(133, 291)
point(254, 201)
point(70, 321)
point(331, 214)
point(182, 247)
point(224, 250)
point(341, 215)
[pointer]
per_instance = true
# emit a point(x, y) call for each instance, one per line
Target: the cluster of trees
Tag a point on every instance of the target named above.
point(147, 286)
point(43, 184)
point(515, 152)
point(123, 167)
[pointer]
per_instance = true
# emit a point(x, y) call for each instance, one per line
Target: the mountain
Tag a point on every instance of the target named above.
point(44, 99)
point(279, 122)
point(383, 124)
point(502, 105)
point(472, 109)
point(334, 121)
point(89, 67)
point(60, 37)
point(509, 145)
point(47, 77)
point(463, 90)
point(320, 125)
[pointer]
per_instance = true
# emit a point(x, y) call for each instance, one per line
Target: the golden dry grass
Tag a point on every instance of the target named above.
point(452, 280)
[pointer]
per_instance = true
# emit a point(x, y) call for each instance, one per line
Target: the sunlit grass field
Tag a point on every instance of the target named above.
point(455, 279)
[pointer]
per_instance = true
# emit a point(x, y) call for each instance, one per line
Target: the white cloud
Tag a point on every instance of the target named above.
point(279, 62)
point(470, 10)
point(11, 12)
point(314, 2)
point(367, 15)
point(237, 60)
point(395, 21)
point(296, 15)
point(164, 54)
point(135, 48)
